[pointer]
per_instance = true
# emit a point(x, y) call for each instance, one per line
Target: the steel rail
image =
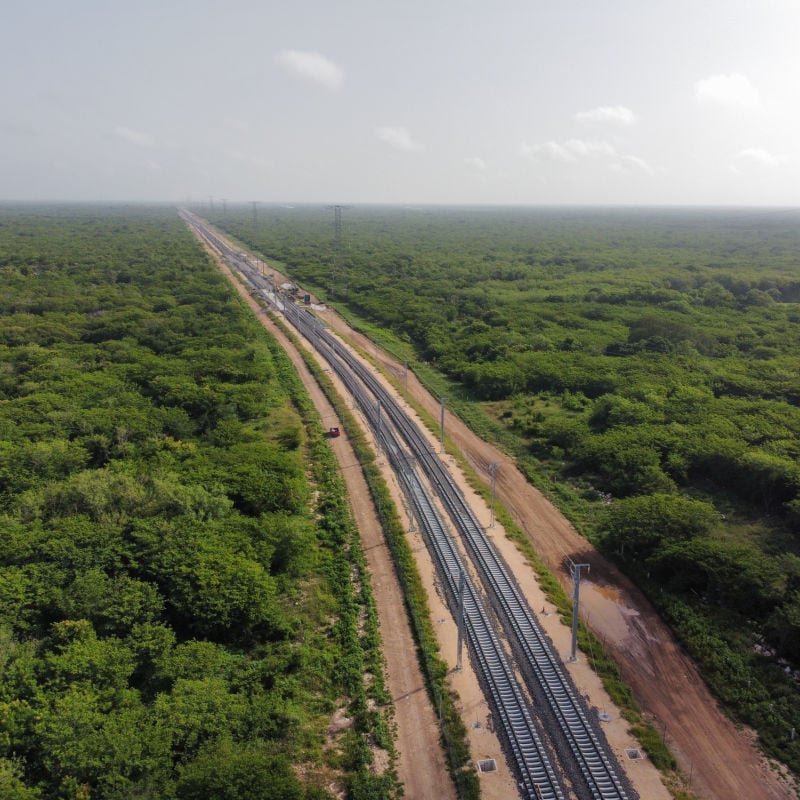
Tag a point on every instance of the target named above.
point(517, 729)
point(540, 666)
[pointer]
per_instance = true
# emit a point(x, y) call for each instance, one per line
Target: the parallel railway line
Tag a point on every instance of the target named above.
point(581, 747)
point(541, 666)
point(531, 763)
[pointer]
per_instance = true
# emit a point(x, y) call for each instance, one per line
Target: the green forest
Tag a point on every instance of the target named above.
point(643, 364)
point(184, 604)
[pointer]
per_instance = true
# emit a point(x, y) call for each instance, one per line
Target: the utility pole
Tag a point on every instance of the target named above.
point(493, 473)
point(254, 204)
point(461, 585)
point(575, 572)
point(441, 422)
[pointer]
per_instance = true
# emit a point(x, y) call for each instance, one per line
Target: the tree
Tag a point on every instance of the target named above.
point(736, 575)
point(78, 657)
point(639, 525)
point(199, 711)
point(113, 605)
point(783, 626)
point(12, 785)
point(83, 740)
point(211, 590)
point(615, 411)
point(626, 461)
point(224, 770)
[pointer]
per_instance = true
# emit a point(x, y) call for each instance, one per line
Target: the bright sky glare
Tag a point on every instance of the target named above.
point(442, 101)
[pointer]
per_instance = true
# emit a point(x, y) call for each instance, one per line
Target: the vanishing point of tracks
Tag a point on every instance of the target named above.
point(583, 752)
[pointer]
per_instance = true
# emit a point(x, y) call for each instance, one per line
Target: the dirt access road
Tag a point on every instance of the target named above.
point(421, 767)
point(721, 759)
point(420, 764)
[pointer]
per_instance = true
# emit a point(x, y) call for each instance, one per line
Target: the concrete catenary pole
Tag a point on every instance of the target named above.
point(576, 603)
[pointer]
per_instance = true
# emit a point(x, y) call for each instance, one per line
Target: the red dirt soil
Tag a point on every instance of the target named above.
point(421, 766)
point(721, 759)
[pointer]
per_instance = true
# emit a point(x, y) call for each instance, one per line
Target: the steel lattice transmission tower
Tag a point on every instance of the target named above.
point(338, 262)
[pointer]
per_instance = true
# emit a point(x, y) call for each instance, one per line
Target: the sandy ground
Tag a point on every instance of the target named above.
point(421, 762)
point(500, 785)
point(721, 759)
point(643, 776)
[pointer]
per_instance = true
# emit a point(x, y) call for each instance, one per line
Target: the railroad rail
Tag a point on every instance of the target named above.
point(540, 665)
point(581, 746)
point(516, 728)
point(523, 741)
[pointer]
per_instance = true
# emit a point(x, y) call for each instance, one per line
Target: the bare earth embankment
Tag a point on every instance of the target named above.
point(421, 763)
point(722, 759)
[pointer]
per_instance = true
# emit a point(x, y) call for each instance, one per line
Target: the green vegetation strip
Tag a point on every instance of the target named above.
point(637, 363)
point(602, 664)
point(357, 610)
point(183, 598)
point(445, 700)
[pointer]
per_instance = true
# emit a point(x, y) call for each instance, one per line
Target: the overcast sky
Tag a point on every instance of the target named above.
point(442, 101)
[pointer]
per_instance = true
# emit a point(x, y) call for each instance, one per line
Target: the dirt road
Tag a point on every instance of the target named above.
point(722, 760)
point(421, 762)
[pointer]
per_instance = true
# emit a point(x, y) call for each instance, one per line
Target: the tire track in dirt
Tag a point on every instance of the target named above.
point(421, 767)
point(723, 760)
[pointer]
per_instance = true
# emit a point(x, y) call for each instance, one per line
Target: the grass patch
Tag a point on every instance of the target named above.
point(445, 700)
point(601, 662)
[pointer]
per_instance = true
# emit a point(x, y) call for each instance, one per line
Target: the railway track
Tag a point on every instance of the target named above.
point(540, 665)
point(516, 727)
point(582, 748)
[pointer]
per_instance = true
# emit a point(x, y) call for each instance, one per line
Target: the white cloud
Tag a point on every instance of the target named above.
point(476, 162)
point(614, 115)
point(600, 152)
point(139, 138)
point(758, 155)
point(734, 91)
point(312, 66)
point(552, 150)
point(571, 150)
point(398, 138)
point(636, 164)
point(588, 148)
